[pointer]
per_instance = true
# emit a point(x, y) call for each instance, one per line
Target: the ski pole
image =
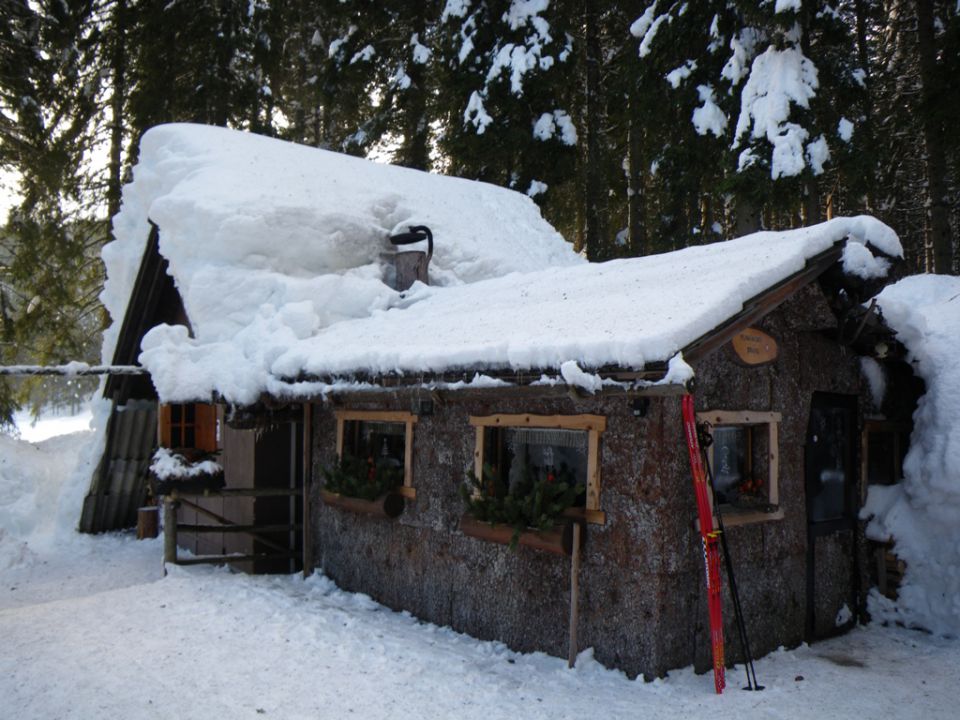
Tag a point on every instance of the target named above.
point(706, 440)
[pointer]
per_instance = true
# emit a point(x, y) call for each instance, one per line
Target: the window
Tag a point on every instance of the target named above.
point(566, 446)
point(189, 426)
point(744, 460)
point(385, 437)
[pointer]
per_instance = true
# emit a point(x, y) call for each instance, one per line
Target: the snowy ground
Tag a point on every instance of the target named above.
point(91, 628)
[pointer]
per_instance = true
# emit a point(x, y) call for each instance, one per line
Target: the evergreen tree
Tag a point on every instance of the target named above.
point(506, 104)
point(780, 122)
point(49, 86)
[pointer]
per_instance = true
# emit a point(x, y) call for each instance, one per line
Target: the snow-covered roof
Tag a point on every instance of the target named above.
point(276, 252)
point(257, 230)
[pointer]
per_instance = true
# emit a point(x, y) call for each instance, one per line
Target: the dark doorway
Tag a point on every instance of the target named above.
point(830, 471)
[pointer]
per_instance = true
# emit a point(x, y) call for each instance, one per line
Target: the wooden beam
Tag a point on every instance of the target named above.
point(397, 416)
point(224, 559)
point(72, 370)
point(251, 529)
point(562, 422)
point(239, 492)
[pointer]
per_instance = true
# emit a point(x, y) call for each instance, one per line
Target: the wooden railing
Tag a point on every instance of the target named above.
point(171, 527)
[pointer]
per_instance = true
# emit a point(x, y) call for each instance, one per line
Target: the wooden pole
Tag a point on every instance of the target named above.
point(574, 594)
point(169, 530)
point(72, 369)
point(307, 490)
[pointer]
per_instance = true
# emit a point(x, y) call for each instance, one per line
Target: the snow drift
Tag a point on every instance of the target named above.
point(922, 513)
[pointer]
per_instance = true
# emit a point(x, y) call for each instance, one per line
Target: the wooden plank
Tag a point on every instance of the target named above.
point(408, 456)
point(596, 517)
point(251, 529)
point(593, 470)
point(513, 391)
point(389, 505)
point(341, 425)
point(561, 422)
point(478, 454)
point(240, 492)
point(773, 446)
point(399, 416)
point(225, 559)
point(739, 417)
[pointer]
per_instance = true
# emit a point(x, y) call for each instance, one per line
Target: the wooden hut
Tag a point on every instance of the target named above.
point(562, 374)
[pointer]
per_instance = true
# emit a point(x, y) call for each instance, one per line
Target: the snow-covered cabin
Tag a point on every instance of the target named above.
point(251, 278)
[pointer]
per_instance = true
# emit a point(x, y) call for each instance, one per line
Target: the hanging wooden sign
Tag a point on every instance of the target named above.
point(755, 347)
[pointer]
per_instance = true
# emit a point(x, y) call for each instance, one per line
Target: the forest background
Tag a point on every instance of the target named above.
point(638, 126)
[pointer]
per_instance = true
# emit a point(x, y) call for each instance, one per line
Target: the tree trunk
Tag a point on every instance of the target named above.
point(414, 152)
point(635, 175)
point(595, 189)
point(118, 68)
point(938, 241)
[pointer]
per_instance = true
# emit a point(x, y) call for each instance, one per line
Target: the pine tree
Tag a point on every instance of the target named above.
point(743, 74)
point(49, 86)
point(506, 101)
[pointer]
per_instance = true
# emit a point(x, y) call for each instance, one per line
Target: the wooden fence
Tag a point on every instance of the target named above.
point(223, 525)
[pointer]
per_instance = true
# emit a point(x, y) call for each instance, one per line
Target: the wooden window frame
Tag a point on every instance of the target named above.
point(388, 416)
point(594, 425)
point(751, 419)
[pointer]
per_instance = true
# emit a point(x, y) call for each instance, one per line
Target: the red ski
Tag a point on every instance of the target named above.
point(711, 553)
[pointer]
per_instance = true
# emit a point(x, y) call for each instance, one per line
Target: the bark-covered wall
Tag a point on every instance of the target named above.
point(642, 602)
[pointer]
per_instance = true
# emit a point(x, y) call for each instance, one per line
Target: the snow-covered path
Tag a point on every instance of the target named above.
point(203, 643)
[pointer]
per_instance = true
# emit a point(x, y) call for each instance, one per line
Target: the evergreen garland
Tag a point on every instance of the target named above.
point(535, 502)
point(365, 479)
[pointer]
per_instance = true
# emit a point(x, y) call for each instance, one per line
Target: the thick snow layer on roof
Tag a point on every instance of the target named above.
point(922, 513)
point(626, 313)
point(260, 232)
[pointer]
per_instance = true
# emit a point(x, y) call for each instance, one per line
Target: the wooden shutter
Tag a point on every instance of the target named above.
point(206, 427)
point(163, 426)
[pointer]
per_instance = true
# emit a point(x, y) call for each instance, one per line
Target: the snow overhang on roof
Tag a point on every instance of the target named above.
point(275, 249)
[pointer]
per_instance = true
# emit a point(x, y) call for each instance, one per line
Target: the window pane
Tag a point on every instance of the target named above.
point(729, 461)
point(383, 442)
point(828, 452)
point(176, 414)
point(522, 455)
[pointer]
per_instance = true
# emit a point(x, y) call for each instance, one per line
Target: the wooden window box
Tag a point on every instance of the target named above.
point(558, 541)
point(388, 505)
